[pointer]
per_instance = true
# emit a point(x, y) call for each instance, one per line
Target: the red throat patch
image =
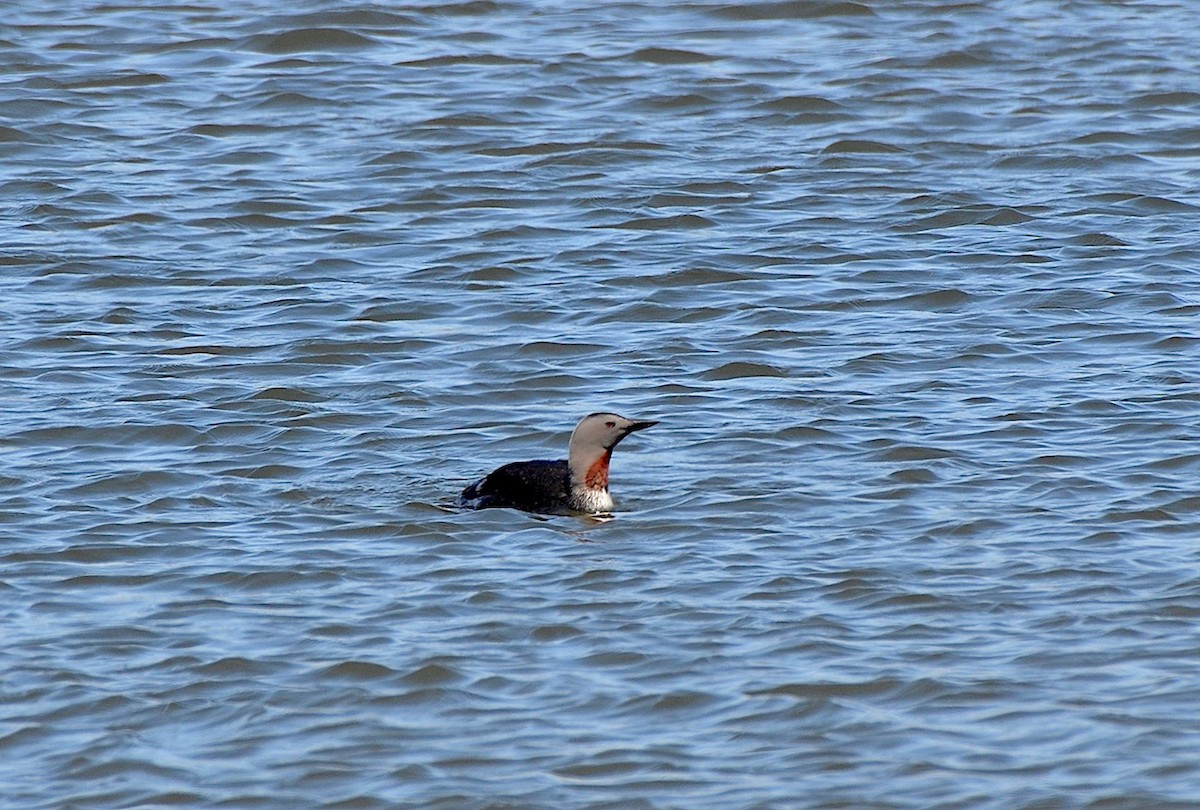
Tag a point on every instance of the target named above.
point(597, 474)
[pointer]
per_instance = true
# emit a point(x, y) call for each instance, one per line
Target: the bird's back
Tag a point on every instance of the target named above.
point(534, 486)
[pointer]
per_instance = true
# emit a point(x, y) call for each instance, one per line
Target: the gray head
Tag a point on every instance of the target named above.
point(598, 433)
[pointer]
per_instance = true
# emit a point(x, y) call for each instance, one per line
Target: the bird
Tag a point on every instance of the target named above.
point(577, 484)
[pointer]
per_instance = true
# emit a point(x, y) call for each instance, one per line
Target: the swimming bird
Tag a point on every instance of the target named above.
point(578, 484)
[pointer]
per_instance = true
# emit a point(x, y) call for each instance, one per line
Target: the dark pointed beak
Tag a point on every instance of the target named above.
point(641, 425)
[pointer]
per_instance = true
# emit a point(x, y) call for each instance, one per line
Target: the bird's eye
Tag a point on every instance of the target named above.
point(610, 424)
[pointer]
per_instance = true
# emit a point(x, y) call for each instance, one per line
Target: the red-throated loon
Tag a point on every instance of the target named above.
point(579, 484)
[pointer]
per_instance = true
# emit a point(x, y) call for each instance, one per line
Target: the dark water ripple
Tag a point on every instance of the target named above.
point(911, 285)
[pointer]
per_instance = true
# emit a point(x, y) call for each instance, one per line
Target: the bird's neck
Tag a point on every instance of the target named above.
point(590, 471)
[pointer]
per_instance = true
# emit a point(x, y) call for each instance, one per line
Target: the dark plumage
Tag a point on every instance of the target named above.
point(534, 486)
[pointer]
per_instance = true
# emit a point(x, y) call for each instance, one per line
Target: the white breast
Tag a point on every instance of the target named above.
point(591, 500)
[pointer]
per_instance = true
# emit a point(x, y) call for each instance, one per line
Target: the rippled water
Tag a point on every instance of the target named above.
point(912, 286)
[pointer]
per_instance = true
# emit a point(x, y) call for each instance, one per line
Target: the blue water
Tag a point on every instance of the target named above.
point(911, 287)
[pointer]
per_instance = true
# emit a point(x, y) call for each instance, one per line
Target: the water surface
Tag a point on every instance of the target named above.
point(912, 287)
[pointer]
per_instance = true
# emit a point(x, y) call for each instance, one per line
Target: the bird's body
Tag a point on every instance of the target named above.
point(577, 484)
point(535, 486)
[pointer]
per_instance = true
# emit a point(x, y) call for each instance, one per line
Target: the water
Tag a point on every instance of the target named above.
point(912, 287)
